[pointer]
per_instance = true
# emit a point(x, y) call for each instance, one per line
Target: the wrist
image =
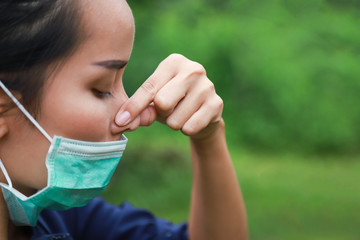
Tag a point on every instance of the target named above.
point(212, 135)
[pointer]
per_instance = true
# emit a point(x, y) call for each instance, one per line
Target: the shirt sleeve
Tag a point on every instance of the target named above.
point(100, 220)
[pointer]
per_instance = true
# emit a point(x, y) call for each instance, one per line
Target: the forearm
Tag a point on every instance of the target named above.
point(217, 208)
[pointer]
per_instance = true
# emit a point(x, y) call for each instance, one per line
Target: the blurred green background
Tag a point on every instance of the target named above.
point(288, 72)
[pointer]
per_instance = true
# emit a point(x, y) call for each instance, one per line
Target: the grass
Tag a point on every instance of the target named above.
point(286, 196)
point(293, 198)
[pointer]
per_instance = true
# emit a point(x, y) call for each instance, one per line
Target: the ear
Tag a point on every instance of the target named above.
point(3, 121)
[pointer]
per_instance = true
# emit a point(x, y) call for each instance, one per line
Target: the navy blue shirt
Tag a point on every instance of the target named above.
point(100, 220)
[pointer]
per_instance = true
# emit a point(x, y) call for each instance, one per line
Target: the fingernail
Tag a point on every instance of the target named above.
point(123, 118)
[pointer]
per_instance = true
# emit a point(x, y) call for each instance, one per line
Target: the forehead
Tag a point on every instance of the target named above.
point(108, 27)
point(108, 23)
point(107, 15)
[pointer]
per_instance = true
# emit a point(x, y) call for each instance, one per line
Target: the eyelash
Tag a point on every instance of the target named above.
point(100, 94)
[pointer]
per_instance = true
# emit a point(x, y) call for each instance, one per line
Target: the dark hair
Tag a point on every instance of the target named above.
point(35, 34)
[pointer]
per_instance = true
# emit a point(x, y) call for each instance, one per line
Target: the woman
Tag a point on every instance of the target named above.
point(64, 60)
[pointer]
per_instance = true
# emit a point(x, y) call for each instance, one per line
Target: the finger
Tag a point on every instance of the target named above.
point(133, 125)
point(167, 99)
point(194, 78)
point(209, 112)
point(184, 110)
point(143, 96)
point(203, 90)
point(148, 116)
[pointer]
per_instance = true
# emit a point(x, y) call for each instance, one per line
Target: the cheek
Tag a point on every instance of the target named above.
point(85, 124)
point(82, 118)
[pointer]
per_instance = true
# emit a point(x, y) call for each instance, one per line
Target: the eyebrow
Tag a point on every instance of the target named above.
point(112, 64)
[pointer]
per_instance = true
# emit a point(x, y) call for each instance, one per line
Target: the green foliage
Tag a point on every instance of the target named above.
point(287, 70)
point(289, 198)
point(288, 73)
point(286, 196)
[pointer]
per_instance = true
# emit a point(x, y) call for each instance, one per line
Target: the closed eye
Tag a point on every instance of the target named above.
point(112, 64)
point(101, 94)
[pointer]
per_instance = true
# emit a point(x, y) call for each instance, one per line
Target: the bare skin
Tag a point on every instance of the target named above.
point(87, 101)
point(217, 208)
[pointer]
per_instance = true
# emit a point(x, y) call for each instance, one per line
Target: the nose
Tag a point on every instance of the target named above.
point(132, 126)
point(117, 131)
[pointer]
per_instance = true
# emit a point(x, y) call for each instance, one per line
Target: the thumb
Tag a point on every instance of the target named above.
point(137, 103)
point(148, 116)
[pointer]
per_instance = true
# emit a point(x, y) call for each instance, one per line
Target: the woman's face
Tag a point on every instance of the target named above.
point(82, 98)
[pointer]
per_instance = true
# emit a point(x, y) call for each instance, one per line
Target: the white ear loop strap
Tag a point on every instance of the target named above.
point(27, 114)
point(5, 174)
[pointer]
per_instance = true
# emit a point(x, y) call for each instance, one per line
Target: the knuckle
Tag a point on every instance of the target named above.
point(210, 87)
point(173, 123)
point(173, 59)
point(161, 103)
point(195, 68)
point(219, 102)
point(207, 90)
point(198, 68)
point(217, 105)
point(133, 105)
point(195, 71)
point(176, 57)
point(149, 88)
point(189, 130)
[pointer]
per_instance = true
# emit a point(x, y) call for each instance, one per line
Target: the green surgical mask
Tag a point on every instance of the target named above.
point(78, 171)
